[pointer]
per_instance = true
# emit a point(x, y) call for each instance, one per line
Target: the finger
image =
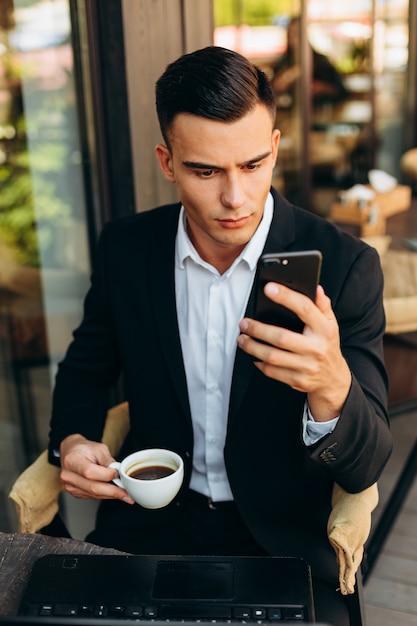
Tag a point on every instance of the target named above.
point(90, 460)
point(254, 332)
point(324, 304)
point(97, 453)
point(296, 302)
point(82, 487)
point(91, 470)
point(284, 365)
point(315, 315)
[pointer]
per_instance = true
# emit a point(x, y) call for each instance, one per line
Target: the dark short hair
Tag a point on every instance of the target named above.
point(215, 83)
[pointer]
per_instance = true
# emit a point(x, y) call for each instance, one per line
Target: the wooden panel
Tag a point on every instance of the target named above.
point(402, 570)
point(198, 24)
point(377, 616)
point(392, 595)
point(154, 37)
point(149, 46)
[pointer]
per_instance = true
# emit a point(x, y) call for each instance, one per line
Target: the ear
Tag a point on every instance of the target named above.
point(276, 134)
point(165, 162)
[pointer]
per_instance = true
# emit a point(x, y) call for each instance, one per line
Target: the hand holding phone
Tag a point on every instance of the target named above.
point(299, 271)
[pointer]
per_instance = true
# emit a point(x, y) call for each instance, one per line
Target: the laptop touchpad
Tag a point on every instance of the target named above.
point(193, 580)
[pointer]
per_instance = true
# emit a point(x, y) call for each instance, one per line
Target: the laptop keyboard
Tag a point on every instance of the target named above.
point(209, 614)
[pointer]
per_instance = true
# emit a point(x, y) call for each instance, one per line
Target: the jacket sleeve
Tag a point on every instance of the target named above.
point(357, 450)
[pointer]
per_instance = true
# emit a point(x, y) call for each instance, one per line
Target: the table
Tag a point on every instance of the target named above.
point(372, 218)
point(18, 552)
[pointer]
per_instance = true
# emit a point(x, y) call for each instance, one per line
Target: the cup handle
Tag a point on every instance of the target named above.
point(115, 465)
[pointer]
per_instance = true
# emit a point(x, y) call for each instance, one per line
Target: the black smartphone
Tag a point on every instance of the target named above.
point(299, 271)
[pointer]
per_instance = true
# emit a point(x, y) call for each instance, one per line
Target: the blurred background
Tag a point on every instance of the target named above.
point(78, 130)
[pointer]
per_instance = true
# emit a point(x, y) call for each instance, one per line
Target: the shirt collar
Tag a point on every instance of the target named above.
point(250, 254)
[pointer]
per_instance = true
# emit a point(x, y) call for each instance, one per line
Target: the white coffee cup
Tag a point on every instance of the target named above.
point(149, 489)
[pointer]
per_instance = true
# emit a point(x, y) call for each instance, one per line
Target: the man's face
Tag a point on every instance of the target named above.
point(223, 174)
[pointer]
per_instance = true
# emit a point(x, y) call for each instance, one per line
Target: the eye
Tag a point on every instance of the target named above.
point(253, 166)
point(205, 173)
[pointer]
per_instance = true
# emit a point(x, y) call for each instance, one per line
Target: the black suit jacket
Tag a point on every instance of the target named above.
point(281, 487)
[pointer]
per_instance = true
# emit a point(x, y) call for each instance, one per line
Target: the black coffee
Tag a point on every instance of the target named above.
point(152, 472)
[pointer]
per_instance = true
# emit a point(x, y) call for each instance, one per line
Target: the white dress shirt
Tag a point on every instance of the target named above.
point(210, 306)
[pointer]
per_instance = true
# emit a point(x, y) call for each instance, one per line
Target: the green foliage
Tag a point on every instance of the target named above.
point(17, 221)
point(20, 229)
point(41, 176)
point(251, 12)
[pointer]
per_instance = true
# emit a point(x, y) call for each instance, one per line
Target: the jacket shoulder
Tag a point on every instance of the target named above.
point(159, 217)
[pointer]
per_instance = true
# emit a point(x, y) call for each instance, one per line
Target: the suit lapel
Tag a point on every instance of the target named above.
point(162, 264)
point(281, 235)
point(165, 311)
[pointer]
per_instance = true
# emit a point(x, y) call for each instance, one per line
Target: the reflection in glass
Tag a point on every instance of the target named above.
point(259, 32)
point(362, 46)
point(44, 262)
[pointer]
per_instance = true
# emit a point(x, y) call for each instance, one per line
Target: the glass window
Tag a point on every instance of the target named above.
point(353, 72)
point(44, 257)
point(258, 30)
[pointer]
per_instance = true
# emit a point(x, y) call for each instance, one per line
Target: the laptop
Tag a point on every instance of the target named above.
point(77, 621)
point(161, 588)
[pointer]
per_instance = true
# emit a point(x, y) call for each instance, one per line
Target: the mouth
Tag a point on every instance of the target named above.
point(234, 223)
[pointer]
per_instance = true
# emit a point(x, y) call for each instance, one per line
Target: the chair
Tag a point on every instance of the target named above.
point(400, 303)
point(36, 491)
point(400, 284)
point(36, 496)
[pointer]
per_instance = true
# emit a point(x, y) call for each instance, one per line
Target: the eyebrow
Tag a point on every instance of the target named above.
point(207, 166)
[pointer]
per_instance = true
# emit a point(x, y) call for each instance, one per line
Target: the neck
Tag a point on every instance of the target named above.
point(220, 256)
point(221, 260)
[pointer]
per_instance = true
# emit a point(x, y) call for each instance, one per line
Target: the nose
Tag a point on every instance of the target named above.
point(233, 193)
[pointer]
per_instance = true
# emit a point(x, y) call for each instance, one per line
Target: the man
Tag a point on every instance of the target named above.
point(266, 419)
point(327, 84)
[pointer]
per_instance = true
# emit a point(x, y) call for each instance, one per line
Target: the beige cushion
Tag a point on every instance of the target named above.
point(400, 290)
point(379, 242)
point(400, 274)
point(401, 314)
point(348, 529)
